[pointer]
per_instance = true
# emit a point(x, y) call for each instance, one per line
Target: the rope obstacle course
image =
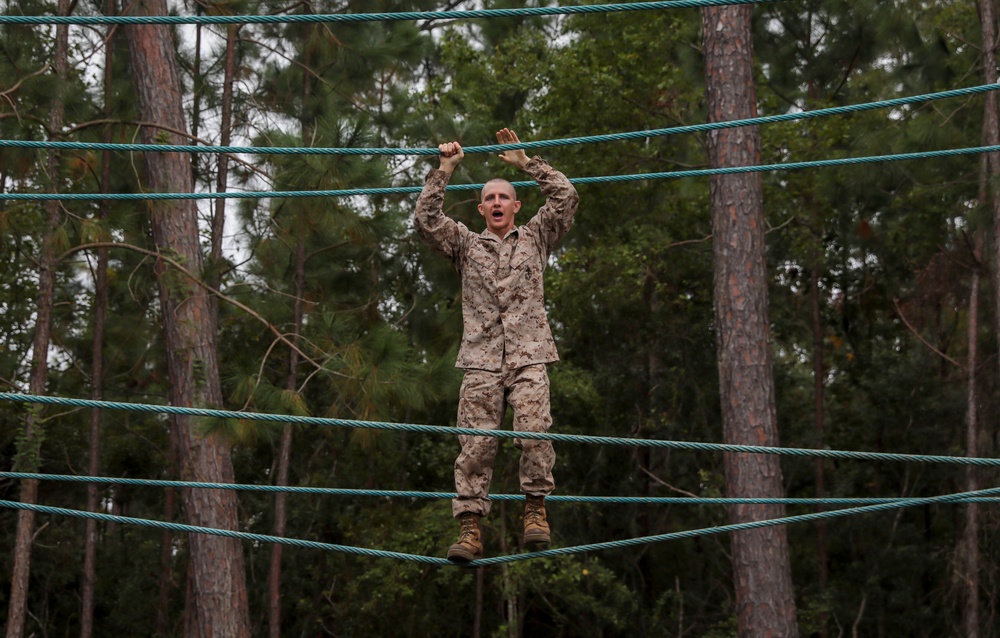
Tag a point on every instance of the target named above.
point(852, 505)
point(494, 148)
point(375, 17)
point(855, 505)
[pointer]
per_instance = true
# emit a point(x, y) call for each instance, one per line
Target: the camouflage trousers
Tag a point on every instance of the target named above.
point(482, 404)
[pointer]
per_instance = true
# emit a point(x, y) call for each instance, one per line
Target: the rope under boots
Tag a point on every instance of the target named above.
point(470, 540)
point(536, 527)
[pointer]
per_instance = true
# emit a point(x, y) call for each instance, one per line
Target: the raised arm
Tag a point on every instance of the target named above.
point(555, 218)
point(436, 229)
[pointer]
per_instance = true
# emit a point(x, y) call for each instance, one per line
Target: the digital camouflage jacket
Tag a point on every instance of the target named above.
point(503, 305)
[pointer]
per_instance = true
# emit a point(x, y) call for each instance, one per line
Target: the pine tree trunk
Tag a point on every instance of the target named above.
point(197, 88)
point(218, 579)
point(291, 383)
point(509, 586)
point(819, 389)
point(991, 136)
point(819, 464)
point(761, 563)
point(477, 619)
point(166, 584)
point(280, 523)
point(94, 447)
point(285, 449)
point(29, 447)
point(97, 366)
point(222, 177)
point(968, 564)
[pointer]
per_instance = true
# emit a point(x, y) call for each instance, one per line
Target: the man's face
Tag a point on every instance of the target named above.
point(499, 207)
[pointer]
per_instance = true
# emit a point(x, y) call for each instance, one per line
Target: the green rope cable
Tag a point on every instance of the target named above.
point(496, 148)
point(409, 494)
point(352, 192)
point(737, 527)
point(247, 536)
point(563, 551)
point(503, 434)
point(374, 17)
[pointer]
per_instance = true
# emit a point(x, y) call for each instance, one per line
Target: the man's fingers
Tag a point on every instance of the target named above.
point(448, 149)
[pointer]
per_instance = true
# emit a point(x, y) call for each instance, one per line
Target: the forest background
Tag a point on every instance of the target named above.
point(873, 282)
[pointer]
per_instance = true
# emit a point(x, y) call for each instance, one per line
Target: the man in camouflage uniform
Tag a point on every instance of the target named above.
point(506, 340)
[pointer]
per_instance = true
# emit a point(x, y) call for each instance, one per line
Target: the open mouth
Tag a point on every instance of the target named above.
point(498, 215)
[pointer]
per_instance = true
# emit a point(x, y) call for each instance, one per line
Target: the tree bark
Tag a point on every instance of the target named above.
point(162, 627)
point(197, 88)
point(761, 563)
point(819, 373)
point(291, 383)
point(30, 445)
point(285, 449)
point(509, 587)
point(222, 177)
point(97, 365)
point(477, 619)
point(218, 580)
point(819, 464)
point(991, 136)
point(969, 544)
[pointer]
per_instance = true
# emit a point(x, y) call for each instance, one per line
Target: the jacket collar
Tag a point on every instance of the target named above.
point(487, 234)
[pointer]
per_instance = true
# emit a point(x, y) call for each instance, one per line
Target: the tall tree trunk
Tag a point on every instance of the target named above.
point(969, 543)
point(94, 447)
point(285, 449)
point(222, 177)
point(991, 136)
point(218, 578)
point(97, 366)
point(819, 391)
point(197, 88)
point(819, 464)
point(30, 445)
point(477, 618)
point(162, 626)
point(291, 383)
point(761, 563)
point(509, 586)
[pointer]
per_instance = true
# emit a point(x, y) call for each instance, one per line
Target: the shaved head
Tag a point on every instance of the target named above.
point(497, 180)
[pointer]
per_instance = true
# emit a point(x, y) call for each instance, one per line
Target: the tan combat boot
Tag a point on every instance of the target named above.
point(470, 540)
point(536, 528)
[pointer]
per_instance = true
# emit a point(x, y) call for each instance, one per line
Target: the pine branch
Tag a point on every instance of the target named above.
point(281, 337)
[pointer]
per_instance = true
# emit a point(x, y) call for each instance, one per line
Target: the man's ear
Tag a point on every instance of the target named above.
point(517, 207)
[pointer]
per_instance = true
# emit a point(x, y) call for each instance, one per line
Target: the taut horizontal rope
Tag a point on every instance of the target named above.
point(246, 536)
point(502, 434)
point(736, 527)
point(555, 498)
point(563, 551)
point(353, 192)
point(376, 17)
point(496, 148)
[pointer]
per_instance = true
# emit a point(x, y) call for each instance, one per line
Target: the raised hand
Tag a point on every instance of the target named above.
point(516, 157)
point(451, 155)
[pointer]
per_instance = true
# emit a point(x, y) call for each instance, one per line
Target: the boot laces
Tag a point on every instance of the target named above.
point(534, 512)
point(468, 530)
